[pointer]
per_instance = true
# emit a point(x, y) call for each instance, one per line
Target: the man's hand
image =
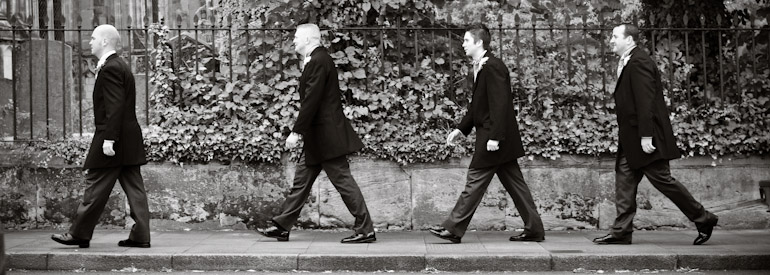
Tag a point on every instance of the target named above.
point(107, 147)
point(450, 138)
point(292, 140)
point(647, 146)
point(493, 145)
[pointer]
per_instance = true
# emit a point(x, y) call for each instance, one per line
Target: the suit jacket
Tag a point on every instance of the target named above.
point(326, 131)
point(114, 99)
point(641, 112)
point(491, 113)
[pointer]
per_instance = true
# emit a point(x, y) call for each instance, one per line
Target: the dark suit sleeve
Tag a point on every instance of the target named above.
point(317, 73)
point(643, 88)
point(114, 100)
point(466, 124)
point(497, 95)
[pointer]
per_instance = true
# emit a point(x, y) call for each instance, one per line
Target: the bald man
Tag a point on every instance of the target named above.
point(117, 148)
point(328, 139)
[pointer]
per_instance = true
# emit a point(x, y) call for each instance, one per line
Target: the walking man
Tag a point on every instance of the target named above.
point(328, 139)
point(117, 148)
point(498, 144)
point(646, 141)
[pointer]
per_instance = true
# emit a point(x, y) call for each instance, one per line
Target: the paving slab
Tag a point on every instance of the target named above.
point(212, 261)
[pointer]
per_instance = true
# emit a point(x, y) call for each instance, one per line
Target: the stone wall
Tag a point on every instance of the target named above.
point(574, 192)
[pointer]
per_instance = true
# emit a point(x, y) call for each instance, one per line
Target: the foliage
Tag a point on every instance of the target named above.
point(404, 87)
point(404, 92)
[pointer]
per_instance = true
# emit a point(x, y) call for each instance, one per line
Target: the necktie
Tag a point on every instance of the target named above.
point(621, 64)
point(476, 68)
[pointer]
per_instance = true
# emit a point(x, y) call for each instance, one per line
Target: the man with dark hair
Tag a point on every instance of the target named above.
point(498, 143)
point(328, 137)
point(117, 149)
point(646, 141)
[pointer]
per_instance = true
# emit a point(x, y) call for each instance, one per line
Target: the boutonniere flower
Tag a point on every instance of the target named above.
point(483, 61)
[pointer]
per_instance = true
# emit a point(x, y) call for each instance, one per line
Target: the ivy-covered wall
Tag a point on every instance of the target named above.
point(403, 78)
point(571, 193)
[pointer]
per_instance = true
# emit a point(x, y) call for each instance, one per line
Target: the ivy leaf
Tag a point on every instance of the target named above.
point(359, 73)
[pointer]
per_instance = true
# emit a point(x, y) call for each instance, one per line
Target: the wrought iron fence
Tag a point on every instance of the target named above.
point(575, 55)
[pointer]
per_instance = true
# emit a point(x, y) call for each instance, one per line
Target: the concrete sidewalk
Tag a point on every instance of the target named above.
point(400, 251)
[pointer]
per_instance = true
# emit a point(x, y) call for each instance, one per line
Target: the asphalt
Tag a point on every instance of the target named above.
point(316, 251)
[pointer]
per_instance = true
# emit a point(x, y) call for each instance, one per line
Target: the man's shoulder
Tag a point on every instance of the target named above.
point(321, 55)
point(115, 63)
point(496, 63)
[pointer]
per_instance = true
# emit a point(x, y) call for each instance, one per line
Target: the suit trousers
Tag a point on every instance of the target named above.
point(338, 171)
point(100, 182)
point(659, 174)
point(478, 180)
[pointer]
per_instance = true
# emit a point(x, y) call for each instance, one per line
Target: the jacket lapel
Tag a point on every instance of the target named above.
point(634, 55)
point(475, 82)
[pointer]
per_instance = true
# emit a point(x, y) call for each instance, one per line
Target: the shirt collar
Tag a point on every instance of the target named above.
point(310, 51)
point(103, 59)
point(627, 54)
point(476, 61)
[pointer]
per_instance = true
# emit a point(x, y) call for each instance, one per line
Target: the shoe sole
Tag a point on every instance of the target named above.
point(137, 246)
point(82, 245)
point(361, 241)
point(280, 239)
point(537, 241)
point(713, 224)
point(448, 239)
point(613, 243)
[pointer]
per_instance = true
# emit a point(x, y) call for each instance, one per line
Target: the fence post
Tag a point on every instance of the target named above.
point(13, 82)
point(685, 18)
point(703, 53)
point(721, 72)
point(737, 73)
point(64, 78)
point(229, 43)
point(569, 49)
point(670, 62)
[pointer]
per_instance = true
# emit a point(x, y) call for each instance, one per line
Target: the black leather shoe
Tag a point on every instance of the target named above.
point(130, 243)
point(68, 239)
point(609, 239)
point(444, 234)
point(360, 238)
point(704, 232)
point(280, 234)
point(525, 237)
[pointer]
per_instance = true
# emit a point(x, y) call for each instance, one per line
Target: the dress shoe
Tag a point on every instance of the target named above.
point(704, 232)
point(526, 237)
point(280, 234)
point(130, 243)
point(68, 239)
point(360, 238)
point(444, 234)
point(609, 239)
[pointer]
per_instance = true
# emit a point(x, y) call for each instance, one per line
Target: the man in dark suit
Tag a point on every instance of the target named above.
point(498, 144)
point(328, 139)
point(646, 141)
point(117, 148)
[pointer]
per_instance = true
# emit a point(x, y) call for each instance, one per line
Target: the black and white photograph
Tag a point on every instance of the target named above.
point(385, 136)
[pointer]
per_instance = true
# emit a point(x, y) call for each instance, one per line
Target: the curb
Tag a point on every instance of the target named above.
point(375, 262)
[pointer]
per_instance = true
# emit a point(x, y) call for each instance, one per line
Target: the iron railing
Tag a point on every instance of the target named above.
point(564, 49)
